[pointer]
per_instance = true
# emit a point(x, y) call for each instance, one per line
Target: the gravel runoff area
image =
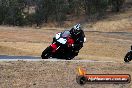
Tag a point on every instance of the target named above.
point(57, 74)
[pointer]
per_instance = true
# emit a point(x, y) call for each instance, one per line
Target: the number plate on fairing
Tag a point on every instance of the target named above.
point(62, 40)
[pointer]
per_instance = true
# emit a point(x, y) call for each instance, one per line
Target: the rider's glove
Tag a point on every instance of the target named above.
point(72, 45)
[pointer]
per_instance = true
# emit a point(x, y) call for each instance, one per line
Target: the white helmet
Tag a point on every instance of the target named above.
point(77, 27)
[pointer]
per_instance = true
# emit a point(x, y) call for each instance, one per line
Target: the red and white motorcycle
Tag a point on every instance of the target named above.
point(61, 47)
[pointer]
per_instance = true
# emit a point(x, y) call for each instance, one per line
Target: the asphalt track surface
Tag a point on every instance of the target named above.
point(37, 58)
point(33, 58)
point(18, 57)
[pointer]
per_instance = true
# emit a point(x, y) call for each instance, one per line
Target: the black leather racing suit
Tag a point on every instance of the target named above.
point(78, 38)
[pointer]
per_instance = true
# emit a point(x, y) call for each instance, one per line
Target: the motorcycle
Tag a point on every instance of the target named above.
point(128, 56)
point(61, 47)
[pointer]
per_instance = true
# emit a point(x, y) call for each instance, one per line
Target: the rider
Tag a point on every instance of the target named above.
point(78, 36)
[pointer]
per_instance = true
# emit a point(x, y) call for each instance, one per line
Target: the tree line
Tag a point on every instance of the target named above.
point(29, 12)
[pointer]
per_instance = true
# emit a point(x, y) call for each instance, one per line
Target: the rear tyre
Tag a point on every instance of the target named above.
point(72, 55)
point(128, 57)
point(69, 58)
point(46, 53)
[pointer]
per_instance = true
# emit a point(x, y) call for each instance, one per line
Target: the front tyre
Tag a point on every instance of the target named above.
point(46, 53)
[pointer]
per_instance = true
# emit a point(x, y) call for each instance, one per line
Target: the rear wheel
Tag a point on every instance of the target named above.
point(69, 58)
point(46, 53)
point(71, 55)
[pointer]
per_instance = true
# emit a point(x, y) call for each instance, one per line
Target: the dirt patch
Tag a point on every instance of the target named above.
point(45, 74)
point(20, 41)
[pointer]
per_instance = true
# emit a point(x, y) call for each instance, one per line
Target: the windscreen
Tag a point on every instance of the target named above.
point(65, 34)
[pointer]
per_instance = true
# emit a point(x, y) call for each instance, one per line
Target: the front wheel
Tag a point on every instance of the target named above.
point(128, 57)
point(46, 53)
